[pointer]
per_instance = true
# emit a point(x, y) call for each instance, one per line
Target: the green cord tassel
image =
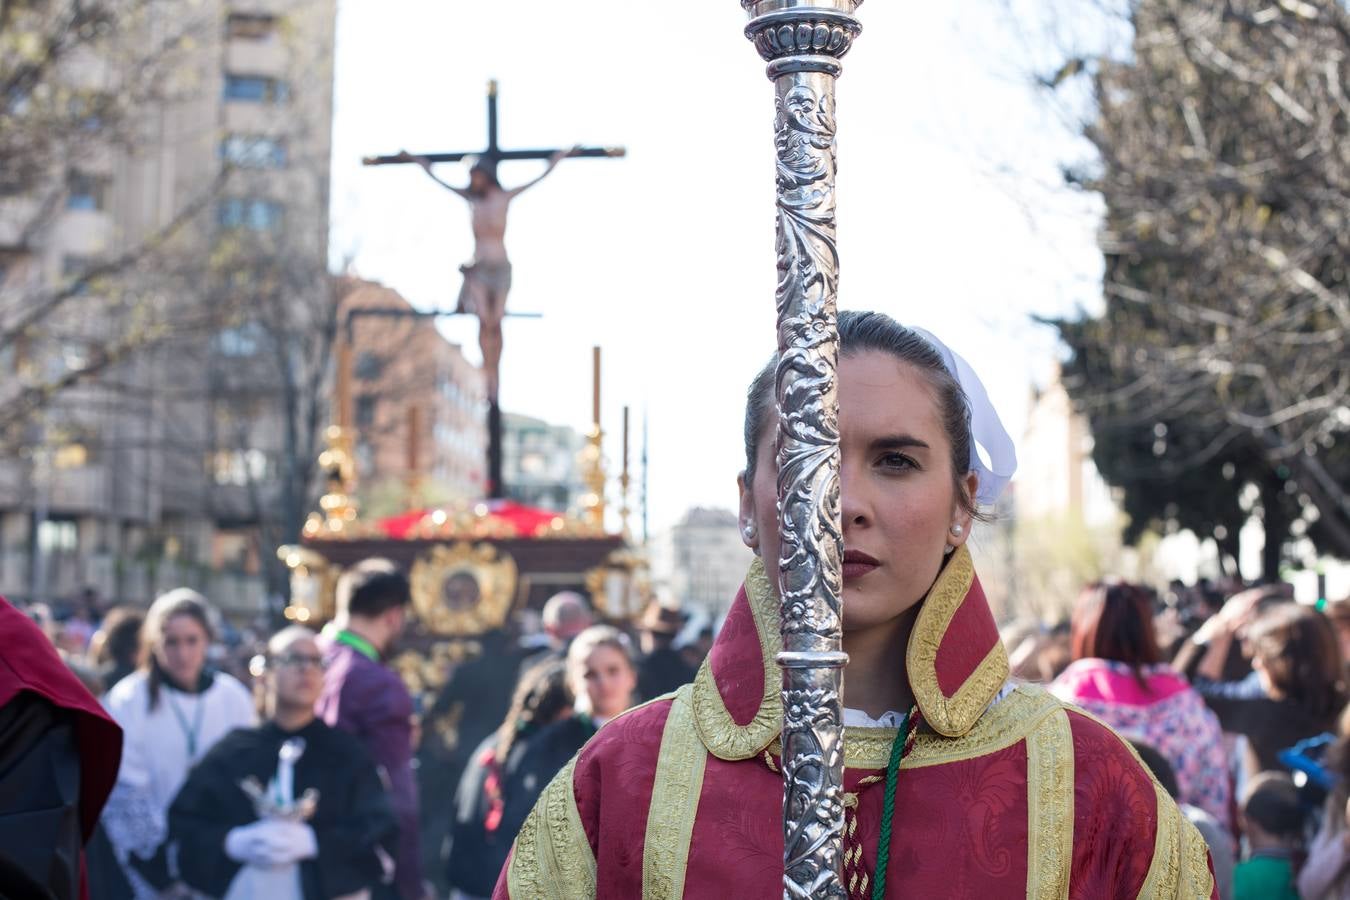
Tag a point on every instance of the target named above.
point(888, 809)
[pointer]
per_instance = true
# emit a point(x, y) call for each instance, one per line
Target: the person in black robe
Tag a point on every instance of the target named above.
point(601, 679)
point(502, 781)
point(59, 753)
point(341, 846)
point(471, 705)
point(662, 668)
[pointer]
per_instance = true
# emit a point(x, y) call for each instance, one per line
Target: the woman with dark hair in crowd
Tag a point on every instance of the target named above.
point(172, 710)
point(957, 783)
point(1296, 688)
point(116, 647)
point(1116, 675)
point(502, 781)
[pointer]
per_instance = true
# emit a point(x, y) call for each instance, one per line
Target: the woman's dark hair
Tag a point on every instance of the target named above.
point(177, 602)
point(1298, 649)
point(1115, 621)
point(121, 642)
point(540, 697)
point(862, 332)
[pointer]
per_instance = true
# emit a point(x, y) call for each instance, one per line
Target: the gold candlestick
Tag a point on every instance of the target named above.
point(593, 457)
point(624, 479)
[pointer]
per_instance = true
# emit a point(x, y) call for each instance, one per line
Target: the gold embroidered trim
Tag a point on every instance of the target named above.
point(718, 730)
point(952, 717)
point(1050, 784)
point(1195, 860)
point(674, 803)
point(552, 860)
point(1180, 866)
point(1164, 871)
point(868, 748)
point(1179, 850)
point(1004, 724)
point(955, 715)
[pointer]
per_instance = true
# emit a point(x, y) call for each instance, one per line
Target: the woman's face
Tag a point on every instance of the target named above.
point(182, 650)
point(610, 681)
point(896, 490)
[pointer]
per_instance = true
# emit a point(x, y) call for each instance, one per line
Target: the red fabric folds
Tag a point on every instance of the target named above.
point(968, 639)
point(29, 662)
point(737, 662)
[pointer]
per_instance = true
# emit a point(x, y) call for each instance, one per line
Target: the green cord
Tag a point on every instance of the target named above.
point(888, 810)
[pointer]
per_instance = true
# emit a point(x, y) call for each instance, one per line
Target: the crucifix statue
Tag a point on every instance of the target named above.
point(487, 278)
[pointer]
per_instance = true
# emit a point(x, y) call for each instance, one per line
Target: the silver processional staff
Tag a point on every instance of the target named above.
point(803, 40)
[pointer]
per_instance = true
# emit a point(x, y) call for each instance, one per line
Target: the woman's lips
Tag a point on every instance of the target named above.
point(856, 570)
point(857, 564)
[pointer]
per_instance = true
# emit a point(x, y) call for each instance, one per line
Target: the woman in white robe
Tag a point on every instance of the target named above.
point(172, 711)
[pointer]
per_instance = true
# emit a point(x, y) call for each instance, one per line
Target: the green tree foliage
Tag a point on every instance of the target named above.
point(1221, 358)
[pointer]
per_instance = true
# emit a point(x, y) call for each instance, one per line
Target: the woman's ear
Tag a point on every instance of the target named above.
point(959, 531)
point(746, 518)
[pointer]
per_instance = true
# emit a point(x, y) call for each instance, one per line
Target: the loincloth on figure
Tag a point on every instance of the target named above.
point(493, 277)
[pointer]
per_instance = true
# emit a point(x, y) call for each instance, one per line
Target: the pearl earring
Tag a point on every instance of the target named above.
point(957, 529)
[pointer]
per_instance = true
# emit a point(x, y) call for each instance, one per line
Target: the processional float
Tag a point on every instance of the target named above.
point(803, 41)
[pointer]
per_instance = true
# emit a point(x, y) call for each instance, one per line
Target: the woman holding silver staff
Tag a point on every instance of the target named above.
point(957, 783)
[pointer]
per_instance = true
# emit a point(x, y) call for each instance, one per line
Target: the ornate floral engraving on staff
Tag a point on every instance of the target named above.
point(803, 40)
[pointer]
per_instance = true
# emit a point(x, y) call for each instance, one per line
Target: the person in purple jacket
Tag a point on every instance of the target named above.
point(364, 697)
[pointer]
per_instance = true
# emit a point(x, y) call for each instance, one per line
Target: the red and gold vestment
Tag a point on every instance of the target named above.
point(1006, 793)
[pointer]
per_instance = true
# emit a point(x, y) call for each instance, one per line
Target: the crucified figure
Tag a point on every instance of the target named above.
point(487, 279)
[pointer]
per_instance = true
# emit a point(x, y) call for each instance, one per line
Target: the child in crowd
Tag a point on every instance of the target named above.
point(1273, 821)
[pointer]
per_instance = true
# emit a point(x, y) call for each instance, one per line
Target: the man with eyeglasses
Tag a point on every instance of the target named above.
point(290, 809)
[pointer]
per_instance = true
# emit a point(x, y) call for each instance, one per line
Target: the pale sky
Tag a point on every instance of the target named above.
point(949, 217)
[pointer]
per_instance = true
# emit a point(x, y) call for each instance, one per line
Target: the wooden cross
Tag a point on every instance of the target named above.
point(493, 151)
point(490, 156)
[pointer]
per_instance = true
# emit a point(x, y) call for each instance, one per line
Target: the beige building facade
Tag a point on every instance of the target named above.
point(541, 463)
point(152, 473)
point(701, 561)
point(419, 407)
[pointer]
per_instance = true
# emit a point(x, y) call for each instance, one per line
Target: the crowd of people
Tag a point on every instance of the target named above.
point(1236, 703)
point(1240, 714)
point(288, 766)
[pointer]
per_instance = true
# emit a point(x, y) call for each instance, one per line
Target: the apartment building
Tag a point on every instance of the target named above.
point(702, 560)
point(161, 469)
point(419, 408)
point(541, 463)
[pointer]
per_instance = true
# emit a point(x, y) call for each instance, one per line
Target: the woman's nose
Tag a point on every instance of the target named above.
point(853, 505)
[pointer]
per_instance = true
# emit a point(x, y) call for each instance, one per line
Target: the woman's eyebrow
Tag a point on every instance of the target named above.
point(897, 442)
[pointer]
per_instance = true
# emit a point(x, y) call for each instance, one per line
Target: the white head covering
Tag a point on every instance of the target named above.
point(986, 429)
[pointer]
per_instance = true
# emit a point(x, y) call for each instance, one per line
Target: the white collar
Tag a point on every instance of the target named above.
point(857, 718)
